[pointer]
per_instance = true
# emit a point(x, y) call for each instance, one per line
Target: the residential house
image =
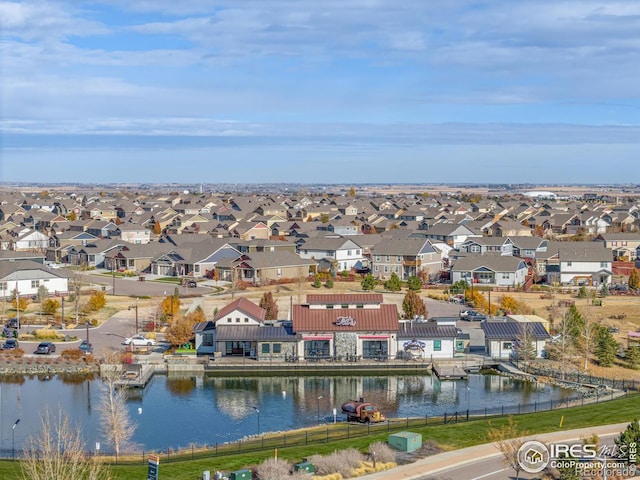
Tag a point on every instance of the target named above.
point(334, 254)
point(622, 245)
point(494, 270)
point(26, 277)
point(264, 268)
point(198, 259)
point(449, 233)
point(135, 234)
point(406, 257)
point(576, 263)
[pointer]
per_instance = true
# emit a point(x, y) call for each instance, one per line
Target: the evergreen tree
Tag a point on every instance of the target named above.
point(414, 284)
point(369, 282)
point(604, 290)
point(329, 283)
point(413, 305)
point(606, 347)
point(317, 283)
point(270, 306)
point(628, 440)
point(393, 284)
point(632, 357)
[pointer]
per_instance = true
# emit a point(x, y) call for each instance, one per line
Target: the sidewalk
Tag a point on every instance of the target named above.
point(443, 461)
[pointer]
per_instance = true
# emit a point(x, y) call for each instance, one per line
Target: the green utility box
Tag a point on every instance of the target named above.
point(405, 441)
point(304, 467)
point(241, 475)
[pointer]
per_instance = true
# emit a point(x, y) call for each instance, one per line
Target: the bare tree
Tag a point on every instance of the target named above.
point(115, 423)
point(57, 451)
point(525, 346)
point(508, 438)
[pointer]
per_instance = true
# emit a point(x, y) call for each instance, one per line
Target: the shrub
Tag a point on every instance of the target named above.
point(383, 452)
point(97, 300)
point(316, 282)
point(16, 353)
point(72, 354)
point(46, 334)
point(50, 306)
point(329, 283)
point(273, 469)
point(342, 462)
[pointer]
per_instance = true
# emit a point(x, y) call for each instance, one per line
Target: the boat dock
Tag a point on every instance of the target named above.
point(449, 371)
point(136, 375)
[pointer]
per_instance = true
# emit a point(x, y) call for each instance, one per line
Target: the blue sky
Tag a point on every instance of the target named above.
point(541, 91)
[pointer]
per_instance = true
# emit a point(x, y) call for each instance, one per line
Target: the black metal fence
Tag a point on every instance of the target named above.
point(581, 378)
point(342, 431)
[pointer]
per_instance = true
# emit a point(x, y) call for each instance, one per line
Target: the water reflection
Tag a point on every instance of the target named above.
point(179, 410)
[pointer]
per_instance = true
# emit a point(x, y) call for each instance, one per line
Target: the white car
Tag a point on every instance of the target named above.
point(139, 341)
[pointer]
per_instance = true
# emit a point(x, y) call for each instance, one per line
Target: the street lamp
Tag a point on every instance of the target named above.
point(319, 409)
point(258, 412)
point(13, 439)
point(136, 307)
point(87, 333)
point(113, 276)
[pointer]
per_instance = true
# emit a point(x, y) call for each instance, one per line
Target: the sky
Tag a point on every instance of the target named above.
point(331, 91)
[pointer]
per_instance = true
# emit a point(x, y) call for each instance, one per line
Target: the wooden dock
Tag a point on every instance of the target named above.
point(137, 377)
point(449, 371)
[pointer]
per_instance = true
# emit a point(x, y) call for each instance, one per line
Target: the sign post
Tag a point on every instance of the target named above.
point(154, 466)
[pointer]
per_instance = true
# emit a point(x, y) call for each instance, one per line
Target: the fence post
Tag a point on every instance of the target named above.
point(306, 438)
point(369, 427)
point(445, 417)
point(502, 411)
point(192, 452)
point(485, 412)
point(467, 414)
point(426, 419)
point(327, 434)
point(535, 407)
point(348, 434)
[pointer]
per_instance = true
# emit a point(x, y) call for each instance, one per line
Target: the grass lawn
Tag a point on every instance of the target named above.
point(450, 437)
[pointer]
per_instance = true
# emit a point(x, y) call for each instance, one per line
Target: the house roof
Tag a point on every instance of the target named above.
point(411, 330)
point(253, 332)
point(405, 246)
point(513, 330)
point(496, 263)
point(344, 298)
point(307, 319)
point(245, 306)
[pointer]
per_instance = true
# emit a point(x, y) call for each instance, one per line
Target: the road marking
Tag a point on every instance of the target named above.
point(488, 474)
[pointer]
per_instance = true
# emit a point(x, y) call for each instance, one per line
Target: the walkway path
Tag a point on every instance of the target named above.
point(445, 461)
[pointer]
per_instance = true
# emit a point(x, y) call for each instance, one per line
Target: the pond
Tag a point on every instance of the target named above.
point(177, 411)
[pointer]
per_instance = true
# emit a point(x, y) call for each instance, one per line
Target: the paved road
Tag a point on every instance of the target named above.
point(484, 462)
point(133, 287)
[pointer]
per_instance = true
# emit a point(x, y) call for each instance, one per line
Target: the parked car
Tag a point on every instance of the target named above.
point(613, 329)
point(12, 323)
point(10, 344)
point(472, 315)
point(190, 283)
point(46, 348)
point(139, 341)
point(86, 347)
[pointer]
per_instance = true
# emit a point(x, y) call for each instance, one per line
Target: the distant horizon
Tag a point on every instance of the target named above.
point(236, 91)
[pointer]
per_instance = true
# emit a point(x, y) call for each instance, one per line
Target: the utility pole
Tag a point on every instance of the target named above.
point(136, 308)
point(62, 315)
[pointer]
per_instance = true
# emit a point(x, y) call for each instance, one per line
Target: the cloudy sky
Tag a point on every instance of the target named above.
point(542, 91)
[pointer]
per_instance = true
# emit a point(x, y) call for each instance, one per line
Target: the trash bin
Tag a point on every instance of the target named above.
point(307, 467)
point(241, 475)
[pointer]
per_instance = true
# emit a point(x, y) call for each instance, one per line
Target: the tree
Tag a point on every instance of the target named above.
point(180, 329)
point(510, 304)
point(413, 305)
point(634, 279)
point(414, 284)
point(581, 332)
point(57, 451)
point(604, 290)
point(97, 300)
point(525, 346)
point(157, 228)
point(43, 294)
point(369, 282)
point(316, 282)
point(393, 284)
point(19, 304)
point(508, 438)
point(628, 441)
point(606, 347)
point(632, 357)
point(269, 305)
point(72, 217)
point(50, 306)
point(170, 306)
point(352, 191)
point(116, 425)
point(324, 217)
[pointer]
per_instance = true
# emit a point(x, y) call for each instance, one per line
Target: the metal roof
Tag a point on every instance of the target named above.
point(513, 330)
point(253, 332)
point(383, 319)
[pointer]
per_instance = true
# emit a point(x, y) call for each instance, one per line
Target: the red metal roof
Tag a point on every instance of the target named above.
point(383, 319)
point(340, 298)
point(244, 305)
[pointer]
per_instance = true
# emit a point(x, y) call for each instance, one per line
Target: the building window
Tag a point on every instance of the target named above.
point(35, 283)
point(568, 264)
point(388, 258)
point(437, 345)
point(229, 320)
point(358, 252)
point(505, 276)
point(246, 320)
point(207, 340)
point(349, 252)
point(507, 345)
point(360, 305)
point(330, 306)
point(377, 258)
point(266, 348)
point(237, 319)
point(344, 305)
point(3, 285)
point(603, 264)
point(374, 348)
point(386, 269)
point(277, 347)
